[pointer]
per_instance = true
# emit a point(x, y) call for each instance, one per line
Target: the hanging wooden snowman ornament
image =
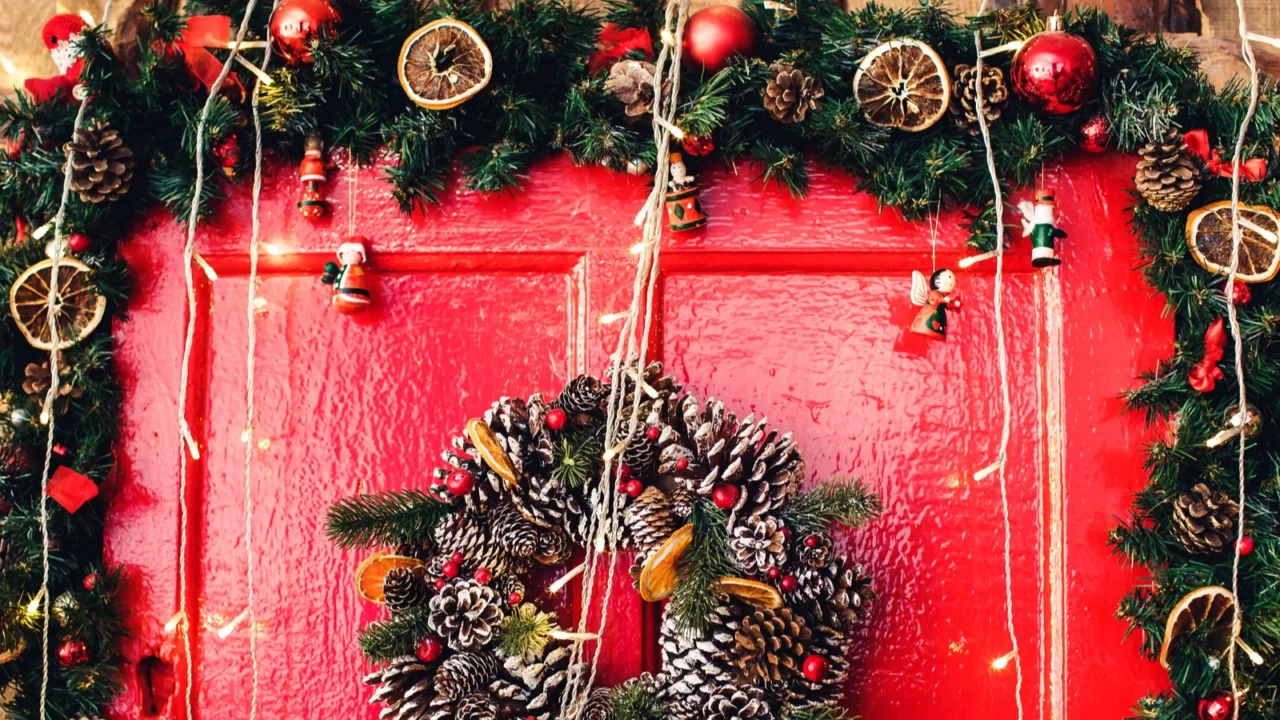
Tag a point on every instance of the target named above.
point(684, 212)
point(934, 295)
point(351, 294)
point(1039, 223)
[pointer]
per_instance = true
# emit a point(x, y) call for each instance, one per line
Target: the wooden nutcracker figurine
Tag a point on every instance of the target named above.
point(1038, 224)
point(684, 212)
point(351, 294)
point(934, 297)
point(311, 204)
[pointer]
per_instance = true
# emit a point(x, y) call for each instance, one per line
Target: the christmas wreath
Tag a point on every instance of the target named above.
point(761, 605)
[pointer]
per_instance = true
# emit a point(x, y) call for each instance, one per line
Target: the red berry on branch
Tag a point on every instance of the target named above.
point(1246, 546)
point(773, 573)
point(634, 488)
point(725, 495)
point(556, 418)
point(788, 583)
point(440, 584)
point(653, 433)
point(815, 668)
point(624, 472)
point(90, 581)
point(459, 482)
point(1240, 294)
point(429, 650)
point(515, 598)
point(457, 558)
point(811, 541)
point(682, 464)
point(450, 570)
point(483, 576)
point(79, 242)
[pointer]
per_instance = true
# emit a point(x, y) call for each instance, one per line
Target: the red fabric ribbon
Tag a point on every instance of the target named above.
point(205, 31)
point(1206, 373)
point(616, 42)
point(1197, 141)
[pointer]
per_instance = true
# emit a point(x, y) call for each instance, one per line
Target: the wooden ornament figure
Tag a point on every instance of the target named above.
point(934, 297)
point(311, 204)
point(684, 212)
point(351, 294)
point(1038, 224)
point(61, 36)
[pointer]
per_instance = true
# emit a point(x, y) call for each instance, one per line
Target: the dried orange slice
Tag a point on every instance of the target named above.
point(1213, 606)
point(903, 84)
point(79, 306)
point(444, 64)
point(491, 453)
point(660, 572)
point(1209, 238)
point(752, 592)
point(373, 571)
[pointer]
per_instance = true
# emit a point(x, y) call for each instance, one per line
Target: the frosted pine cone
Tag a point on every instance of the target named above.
point(815, 550)
point(404, 684)
point(581, 398)
point(770, 645)
point(404, 588)
point(465, 673)
point(759, 544)
point(477, 706)
point(736, 702)
point(466, 614)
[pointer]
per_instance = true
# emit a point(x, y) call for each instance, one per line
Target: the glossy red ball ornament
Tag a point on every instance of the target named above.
point(788, 583)
point(450, 570)
point(515, 598)
point(79, 242)
point(1241, 294)
point(682, 464)
point(713, 36)
point(457, 558)
point(815, 668)
point(1095, 134)
point(440, 584)
point(1217, 706)
point(1246, 546)
point(459, 482)
point(429, 650)
point(1055, 72)
point(483, 576)
point(556, 418)
point(296, 23)
point(653, 433)
point(90, 581)
point(773, 573)
point(698, 145)
point(634, 488)
point(725, 495)
point(72, 652)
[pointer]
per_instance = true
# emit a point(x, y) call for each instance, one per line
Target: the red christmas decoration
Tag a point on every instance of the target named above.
point(698, 145)
point(815, 668)
point(725, 495)
point(440, 584)
point(682, 463)
point(788, 583)
point(227, 152)
point(72, 652)
point(429, 650)
point(634, 488)
point(1217, 706)
point(311, 204)
point(652, 433)
point(79, 242)
point(1055, 72)
point(515, 598)
point(90, 581)
point(713, 36)
point(1095, 134)
point(811, 541)
point(1197, 142)
point(295, 25)
point(616, 42)
point(450, 570)
point(192, 46)
point(70, 489)
point(556, 418)
point(1205, 375)
point(456, 557)
point(1241, 294)
point(624, 472)
point(773, 573)
point(60, 34)
point(483, 576)
point(459, 482)
point(1245, 546)
point(351, 294)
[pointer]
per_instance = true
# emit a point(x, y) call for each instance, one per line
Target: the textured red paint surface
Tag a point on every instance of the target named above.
point(793, 309)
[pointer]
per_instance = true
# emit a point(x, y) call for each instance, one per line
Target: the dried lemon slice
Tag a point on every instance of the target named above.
point(1209, 238)
point(903, 84)
point(752, 592)
point(444, 64)
point(491, 453)
point(79, 306)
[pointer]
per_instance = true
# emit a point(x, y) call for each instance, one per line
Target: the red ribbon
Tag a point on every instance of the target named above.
point(204, 31)
point(616, 43)
point(1206, 373)
point(1197, 141)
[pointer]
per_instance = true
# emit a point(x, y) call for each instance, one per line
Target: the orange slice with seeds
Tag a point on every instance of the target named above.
point(373, 571)
point(903, 84)
point(444, 64)
point(661, 571)
point(78, 309)
point(752, 592)
point(490, 452)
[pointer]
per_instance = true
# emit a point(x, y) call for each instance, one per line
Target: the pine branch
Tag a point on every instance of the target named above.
point(396, 636)
point(637, 701)
point(706, 561)
point(526, 631)
point(387, 518)
point(849, 504)
point(577, 457)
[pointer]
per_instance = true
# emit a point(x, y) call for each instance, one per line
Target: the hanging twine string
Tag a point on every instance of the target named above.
point(1002, 361)
point(629, 360)
point(1234, 320)
point(353, 193)
point(186, 442)
point(51, 318)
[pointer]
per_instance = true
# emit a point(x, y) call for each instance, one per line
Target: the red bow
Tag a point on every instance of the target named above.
point(1197, 141)
point(204, 31)
point(1206, 373)
point(616, 42)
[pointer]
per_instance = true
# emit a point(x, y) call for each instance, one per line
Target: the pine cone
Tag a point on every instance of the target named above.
point(815, 550)
point(535, 687)
point(1204, 521)
point(737, 702)
point(598, 705)
point(631, 81)
point(514, 533)
point(641, 453)
point(964, 98)
point(581, 398)
point(759, 544)
point(477, 706)
point(470, 535)
point(404, 588)
point(770, 646)
point(466, 614)
point(101, 164)
point(837, 589)
point(465, 673)
point(789, 94)
point(649, 521)
point(693, 666)
point(39, 378)
point(416, 549)
point(405, 686)
point(1168, 176)
point(681, 502)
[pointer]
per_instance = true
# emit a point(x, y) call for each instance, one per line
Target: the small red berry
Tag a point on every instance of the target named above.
point(482, 576)
point(459, 482)
point(788, 583)
point(450, 570)
point(1246, 546)
point(515, 598)
point(815, 668)
point(624, 472)
point(634, 488)
point(811, 541)
point(774, 573)
point(90, 581)
point(440, 584)
point(429, 650)
point(653, 432)
point(726, 495)
point(79, 242)
point(556, 418)
point(682, 464)
point(1240, 294)
point(456, 558)
point(786, 533)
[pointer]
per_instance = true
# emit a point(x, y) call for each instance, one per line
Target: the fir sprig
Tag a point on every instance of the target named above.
point(849, 504)
point(706, 561)
point(577, 457)
point(526, 631)
point(396, 636)
point(387, 518)
point(637, 701)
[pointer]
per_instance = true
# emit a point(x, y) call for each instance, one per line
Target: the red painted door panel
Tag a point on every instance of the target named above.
point(791, 309)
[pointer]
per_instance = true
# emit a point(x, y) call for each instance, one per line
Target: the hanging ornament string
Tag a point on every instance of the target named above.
point(1002, 361)
point(187, 443)
point(353, 193)
point(605, 518)
point(1234, 320)
point(47, 410)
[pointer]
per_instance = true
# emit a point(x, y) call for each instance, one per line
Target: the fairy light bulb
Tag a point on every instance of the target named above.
point(1003, 661)
point(174, 622)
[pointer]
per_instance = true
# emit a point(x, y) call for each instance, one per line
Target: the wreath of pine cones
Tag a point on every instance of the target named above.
point(775, 640)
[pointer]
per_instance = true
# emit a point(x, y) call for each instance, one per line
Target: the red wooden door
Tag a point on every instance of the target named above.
point(792, 309)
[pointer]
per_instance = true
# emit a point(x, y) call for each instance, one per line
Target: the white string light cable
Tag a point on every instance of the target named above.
point(605, 517)
point(187, 443)
point(1002, 361)
point(51, 318)
point(1234, 320)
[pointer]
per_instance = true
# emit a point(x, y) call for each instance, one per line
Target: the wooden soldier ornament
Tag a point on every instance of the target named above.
point(1038, 223)
point(684, 212)
point(934, 296)
point(311, 203)
point(351, 294)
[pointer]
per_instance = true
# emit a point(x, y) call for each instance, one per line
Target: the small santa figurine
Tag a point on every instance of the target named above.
point(684, 212)
point(61, 36)
point(1038, 224)
point(311, 203)
point(351, 294)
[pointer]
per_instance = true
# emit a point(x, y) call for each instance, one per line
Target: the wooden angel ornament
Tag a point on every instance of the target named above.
point(351, 294)
point(1039, 223)
point(934, 295)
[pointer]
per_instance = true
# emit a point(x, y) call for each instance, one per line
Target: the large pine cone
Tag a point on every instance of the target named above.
point(789, 94)
point(581, 398)
point(759, 544)
point(1168, 176)
point(964, 97)
point(470, 535)
point(464, 673)
point(476, 706)
point(694, 665)
point(405, 686)
point(101, 164)
point(770, 646)
point(404, 588)
point(466, 614)
point(1204, 521)
point(598, 705)
point(737, 702)
point(534, 687)
point(631, 81)
point(650, 521)
point(837, 588)
point(514, 533)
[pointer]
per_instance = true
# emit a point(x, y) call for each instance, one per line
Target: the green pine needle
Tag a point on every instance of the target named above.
point(387, 518)
point(849, 504)
point(636, 701)
point(396, 636)
point(526, 631)
point(707, 560)
point(577, 457)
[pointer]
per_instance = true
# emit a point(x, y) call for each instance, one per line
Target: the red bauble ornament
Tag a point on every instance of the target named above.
point(713, 36)
point(515, 598)
point(725, 495)
point(483, 576)
point(450, 570)
point(556, 418)
point(1241, 294)
point(773, 573)
point(1217, 706)
point(788, 583)
point(816, 668)
point(79, 242)
point(633, 488)
point(1055, 72)
point(90, 581)
point(72, 652)
point(457, 558)
point(1246, 546)
point(652, 433)
point(459, 482)
point(1095, 134)
point(698, 145)
point(440, 584)
point(295, 23)
point(429, 650)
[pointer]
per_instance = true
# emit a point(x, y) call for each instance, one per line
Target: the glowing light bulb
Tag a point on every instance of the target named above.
point(174, 622)
point(1003, 661)
point(612, 318)
point(8, 65)
point(264, 443)
point(33, 607)
point(637, 248)
point(87, 17)
point(558, 585)
point(225, 631)
point(272, 249)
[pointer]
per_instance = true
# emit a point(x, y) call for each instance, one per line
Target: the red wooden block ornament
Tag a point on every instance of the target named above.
point(70, 489)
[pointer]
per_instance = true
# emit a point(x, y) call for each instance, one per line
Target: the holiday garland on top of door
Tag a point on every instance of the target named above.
point(762, 607)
